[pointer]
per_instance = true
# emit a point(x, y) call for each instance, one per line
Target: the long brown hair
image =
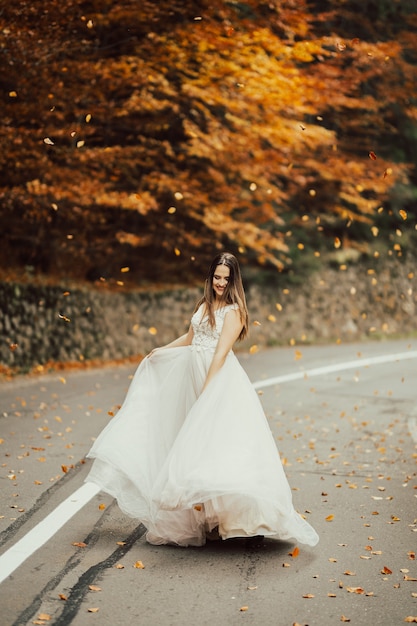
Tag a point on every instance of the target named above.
point(233, 294)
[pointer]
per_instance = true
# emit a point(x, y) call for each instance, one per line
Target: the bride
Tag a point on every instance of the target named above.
point(190, 452)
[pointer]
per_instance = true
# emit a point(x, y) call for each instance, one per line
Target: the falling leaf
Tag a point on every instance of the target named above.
point(253, 349)
point(256, 323)
point(63, 317)
point(139, 565)
point(152, 330)
point(403, 214)
point(372, 156)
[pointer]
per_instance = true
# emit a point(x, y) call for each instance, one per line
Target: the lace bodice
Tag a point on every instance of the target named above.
point(205, 337)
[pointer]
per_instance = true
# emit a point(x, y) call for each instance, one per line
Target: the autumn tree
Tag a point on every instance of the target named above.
point(139, 134)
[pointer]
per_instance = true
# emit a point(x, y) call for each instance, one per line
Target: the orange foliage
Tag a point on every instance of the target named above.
point(142, 130)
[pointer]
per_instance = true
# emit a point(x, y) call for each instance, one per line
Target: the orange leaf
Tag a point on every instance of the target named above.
point(308, 595)
point(139, 565)
point(243, 608)
point(295, 552)
point(372, 156)
point(349, 573)
point(329, 518)
point(62, 597)
point(355, 590)
point(386, 570)
point(79, 544)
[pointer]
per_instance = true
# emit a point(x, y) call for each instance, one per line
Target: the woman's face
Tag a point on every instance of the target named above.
point(220, 280)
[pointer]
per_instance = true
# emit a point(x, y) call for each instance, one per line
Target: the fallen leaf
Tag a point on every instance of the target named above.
point(253, 588)
point(61, 596)
point(386, 570)
point(139, 565)
point(349, 573)
point(331, 595)
point(411, 620)
point(79, 544)
point(94, 588)
point(410, 578)
point(358, 590)
point(309, 595)
point(295, 552)
point(44, 616)
point(94, 610)
point(343, 618)
point(119, 566)
point(243, 608)
point(101, 507)
point(329, 518)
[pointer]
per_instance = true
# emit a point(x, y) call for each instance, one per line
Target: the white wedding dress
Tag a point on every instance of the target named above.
point(184, 462)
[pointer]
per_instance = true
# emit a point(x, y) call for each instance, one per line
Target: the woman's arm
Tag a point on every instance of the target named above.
point(184, 340)
point(230, 332)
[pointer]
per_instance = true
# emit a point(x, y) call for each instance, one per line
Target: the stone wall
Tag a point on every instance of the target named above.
point(39, 324)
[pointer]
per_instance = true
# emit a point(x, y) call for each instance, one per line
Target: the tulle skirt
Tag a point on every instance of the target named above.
point(184, 462)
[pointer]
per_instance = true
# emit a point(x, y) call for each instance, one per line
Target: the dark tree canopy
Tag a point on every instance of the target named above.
point(147, 135)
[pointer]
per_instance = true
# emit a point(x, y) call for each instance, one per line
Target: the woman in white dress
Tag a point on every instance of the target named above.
point(190, 451)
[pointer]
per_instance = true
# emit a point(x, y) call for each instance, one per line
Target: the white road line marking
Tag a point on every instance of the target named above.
point(329, 369)
point(41, 533)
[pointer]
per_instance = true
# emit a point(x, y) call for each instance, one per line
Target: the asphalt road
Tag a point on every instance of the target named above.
point(345, 422)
